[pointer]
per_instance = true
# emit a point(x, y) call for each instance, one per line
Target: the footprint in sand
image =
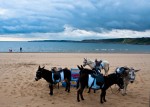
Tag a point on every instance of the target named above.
point(53, 102)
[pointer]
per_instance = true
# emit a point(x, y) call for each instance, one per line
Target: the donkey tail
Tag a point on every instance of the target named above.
point(77, 86)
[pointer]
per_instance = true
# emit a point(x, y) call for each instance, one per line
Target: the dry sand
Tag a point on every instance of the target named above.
point(18, 88)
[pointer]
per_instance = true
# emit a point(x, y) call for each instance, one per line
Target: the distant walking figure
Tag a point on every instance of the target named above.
point(20, 49)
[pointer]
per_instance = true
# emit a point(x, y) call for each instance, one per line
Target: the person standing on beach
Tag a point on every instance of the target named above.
point(20, 49)
point(10, 50)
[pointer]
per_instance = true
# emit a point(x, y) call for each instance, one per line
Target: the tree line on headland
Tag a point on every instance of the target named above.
point(138, 41)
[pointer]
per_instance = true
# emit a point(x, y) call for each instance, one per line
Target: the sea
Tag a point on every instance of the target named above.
point(72, 47)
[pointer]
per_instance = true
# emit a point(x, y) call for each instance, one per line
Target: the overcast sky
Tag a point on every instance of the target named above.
point(73, 19)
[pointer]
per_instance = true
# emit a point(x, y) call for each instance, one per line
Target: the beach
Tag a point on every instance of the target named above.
point(18, 87)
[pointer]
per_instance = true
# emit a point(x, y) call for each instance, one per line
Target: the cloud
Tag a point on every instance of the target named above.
point(94, 17)
point(72, 33)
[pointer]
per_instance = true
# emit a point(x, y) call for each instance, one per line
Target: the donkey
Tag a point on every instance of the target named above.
point(97, 64)
point(54, 77)
point(109, 80)
point(128, 75)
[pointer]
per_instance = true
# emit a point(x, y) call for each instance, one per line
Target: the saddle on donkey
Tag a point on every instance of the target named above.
point(96, 81)
point(57, 75)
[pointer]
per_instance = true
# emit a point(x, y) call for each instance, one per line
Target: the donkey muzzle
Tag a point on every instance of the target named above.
point(36, 79)
point(131, 81)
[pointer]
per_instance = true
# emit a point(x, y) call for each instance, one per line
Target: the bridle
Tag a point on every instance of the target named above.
point(39, 73)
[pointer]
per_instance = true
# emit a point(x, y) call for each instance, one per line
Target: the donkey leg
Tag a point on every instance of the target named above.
point(51, 89)
point(104, 96)
point(89, 90)
point(82, 89)
point(78, 92)
point(101, 97)
point(82, 94)
point(58, 85)
point(124, 89)
point(106, 71)
point(68, 86)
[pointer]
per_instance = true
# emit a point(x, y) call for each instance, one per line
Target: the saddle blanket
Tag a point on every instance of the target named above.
point(92, 82)
point(61, 77)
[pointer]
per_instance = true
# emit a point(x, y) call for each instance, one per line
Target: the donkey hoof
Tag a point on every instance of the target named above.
point(102, 102)
point(124, 94)
point(105, 100)
point(78, 100)
point(50, 93)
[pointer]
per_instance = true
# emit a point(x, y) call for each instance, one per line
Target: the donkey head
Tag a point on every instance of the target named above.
point(132, 74)
point(80, 67)
point(39, 73)
point(85, 62)
point(85, 70)
point(88, 62)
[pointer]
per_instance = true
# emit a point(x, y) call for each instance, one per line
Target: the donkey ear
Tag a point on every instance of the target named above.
point(39, 67)
point(43, 67)
point(79, 67)
point(137, 70)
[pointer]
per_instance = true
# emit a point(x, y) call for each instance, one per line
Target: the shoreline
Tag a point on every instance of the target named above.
point(86, 52)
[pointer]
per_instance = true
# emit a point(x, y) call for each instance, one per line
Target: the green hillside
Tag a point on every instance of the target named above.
point(140, 41)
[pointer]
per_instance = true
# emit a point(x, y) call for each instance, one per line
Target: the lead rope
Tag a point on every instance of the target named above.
point(149, 99)
point(116, 91)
